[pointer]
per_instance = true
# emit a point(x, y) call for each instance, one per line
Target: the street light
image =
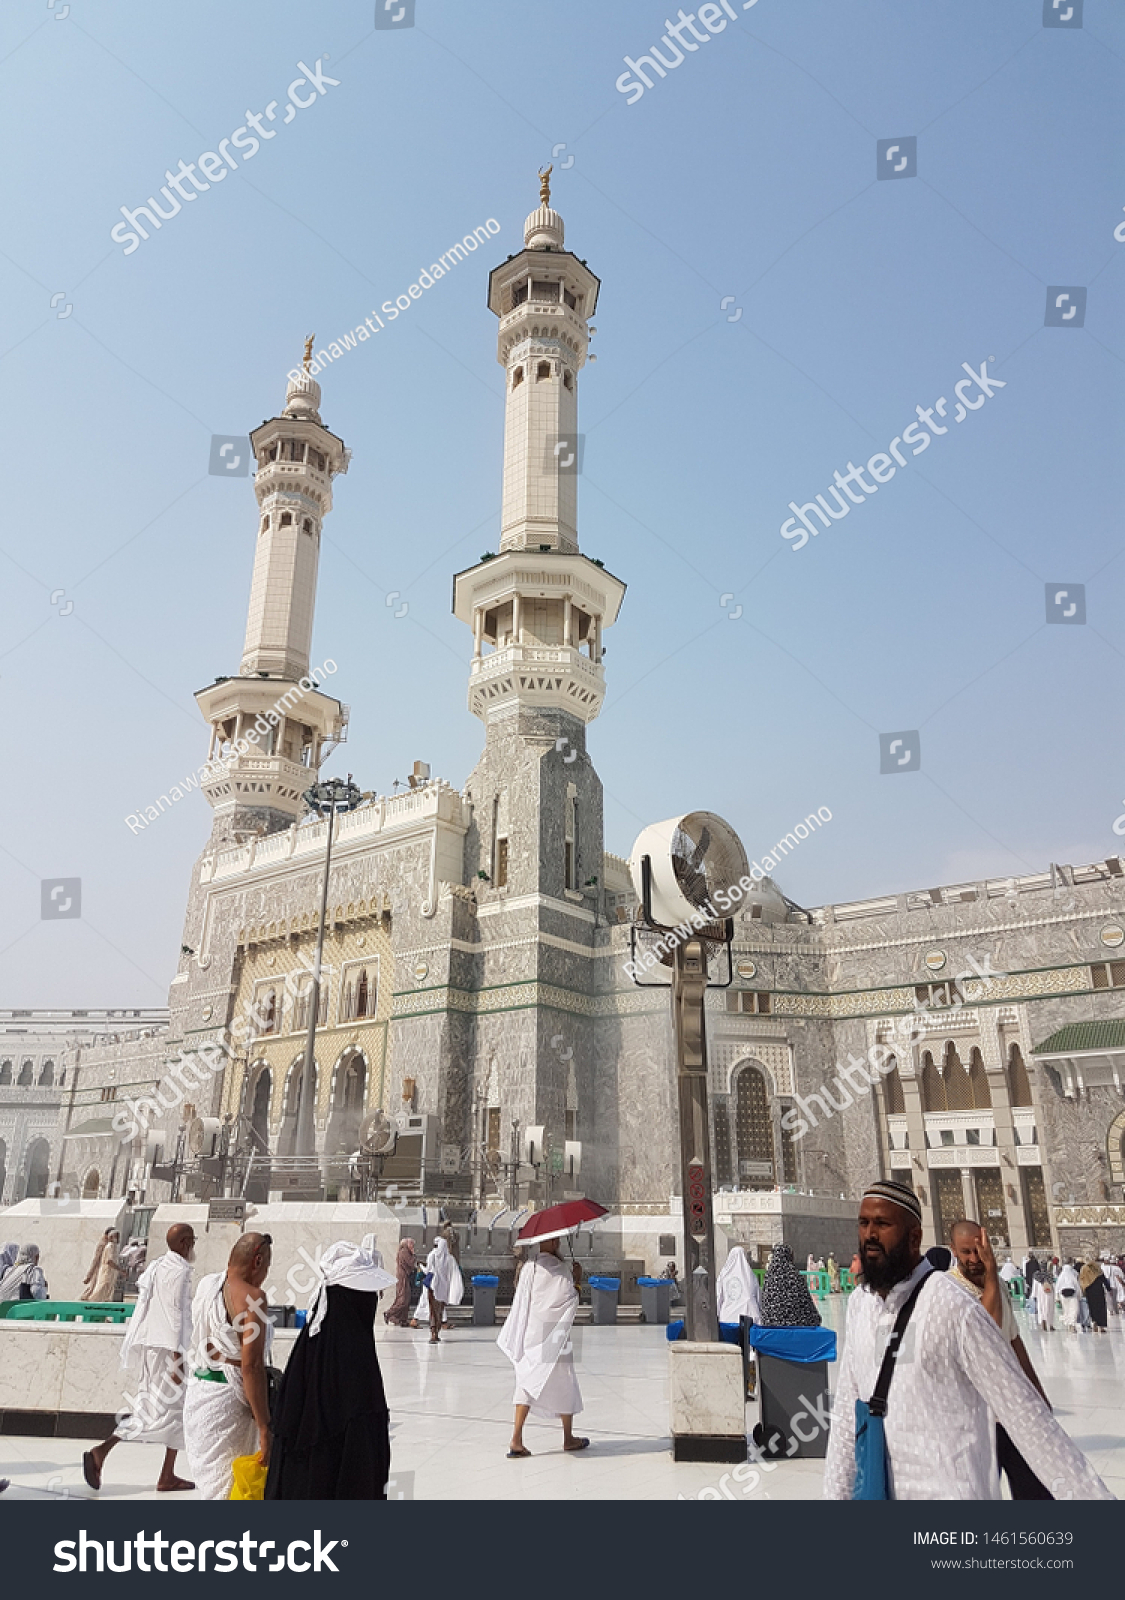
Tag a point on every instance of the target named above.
point(335, 795)
point(679, 869)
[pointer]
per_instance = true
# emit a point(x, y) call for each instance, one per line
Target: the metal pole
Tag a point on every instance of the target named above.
point(689, 986)
point(306, 1137)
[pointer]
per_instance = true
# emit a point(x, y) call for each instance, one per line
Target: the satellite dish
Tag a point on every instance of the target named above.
point(377, 1134)
point(694, 858)
point(202, 1134)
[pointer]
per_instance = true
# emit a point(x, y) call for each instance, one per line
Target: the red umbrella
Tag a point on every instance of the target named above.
point(553, 1222)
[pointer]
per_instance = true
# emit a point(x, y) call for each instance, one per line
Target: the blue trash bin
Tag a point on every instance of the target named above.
point(792, 1387)
point(484, 1299)
point(603, 1299)
point(656, 1299)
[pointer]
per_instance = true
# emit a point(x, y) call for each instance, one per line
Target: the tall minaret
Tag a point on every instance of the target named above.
point(539, 604)
point(538, 608)
point(269, 727)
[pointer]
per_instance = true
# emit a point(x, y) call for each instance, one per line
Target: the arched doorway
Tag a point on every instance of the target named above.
point(259, 1093)
point(753, 1129)
point(298, 1135)
point(341, 1137)
point(38, 1157)
point(92, 1184)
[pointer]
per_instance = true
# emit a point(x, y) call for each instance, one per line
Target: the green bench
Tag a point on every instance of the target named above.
point(65, 1310)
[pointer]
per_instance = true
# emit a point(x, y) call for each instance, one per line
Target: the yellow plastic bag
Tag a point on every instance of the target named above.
point(249, 1479)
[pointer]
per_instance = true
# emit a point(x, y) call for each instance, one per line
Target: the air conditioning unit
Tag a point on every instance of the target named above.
point(572, 1159)
point(534, 1144)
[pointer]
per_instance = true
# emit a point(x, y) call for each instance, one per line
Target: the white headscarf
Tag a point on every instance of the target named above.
point(738, 1288)
point(351, 1266)
point(26, 1270)
point(368, 1244)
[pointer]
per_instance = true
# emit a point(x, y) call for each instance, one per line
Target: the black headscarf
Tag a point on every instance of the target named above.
point(330, 1426)
point(786, 1301)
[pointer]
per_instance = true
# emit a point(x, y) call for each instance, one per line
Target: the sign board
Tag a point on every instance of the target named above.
point(451, 1158)
point(755, 1169)
point(556, 1160)
point(226, 1211)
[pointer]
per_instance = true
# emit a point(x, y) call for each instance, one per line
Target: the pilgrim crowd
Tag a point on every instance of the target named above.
point(962, 1406)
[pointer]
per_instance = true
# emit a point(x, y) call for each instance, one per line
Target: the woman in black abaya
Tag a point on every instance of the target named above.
point(330, 1436)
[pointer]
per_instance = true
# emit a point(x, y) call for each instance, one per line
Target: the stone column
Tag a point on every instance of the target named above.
point(916, 1133)
point(968, 1195)
point(993, 1047)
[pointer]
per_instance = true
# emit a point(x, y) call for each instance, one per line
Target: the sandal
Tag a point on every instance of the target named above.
point(577, 1444)
point(517, 1455)
point(91, 1471)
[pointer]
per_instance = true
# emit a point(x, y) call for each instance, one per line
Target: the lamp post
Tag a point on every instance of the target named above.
point(679, 868)
point(326, 799)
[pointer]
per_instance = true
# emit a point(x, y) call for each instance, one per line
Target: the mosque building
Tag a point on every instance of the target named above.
point(475, 984)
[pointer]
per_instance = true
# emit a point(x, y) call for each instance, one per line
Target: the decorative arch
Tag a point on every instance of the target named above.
point(47, 1075)
point(1115, 1148)
point(5, 1072)
point(347, 1098)
point(91, 1184)
point(958, 1086)
point(892, 1089)
point(933, 1085)
point(753, 1126)
point(1019, 1084)
point(256, 1097)
point(36, 1163)
point(27, 1076)
point(978, 1081)
point(288, 1143)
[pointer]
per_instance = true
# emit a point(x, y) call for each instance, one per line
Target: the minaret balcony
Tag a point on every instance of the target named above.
point(557, 676)
point(257, 780)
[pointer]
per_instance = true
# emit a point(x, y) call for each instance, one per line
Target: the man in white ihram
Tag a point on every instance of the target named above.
point(536, 1340)
point(155, 1342)
point(954, 1376)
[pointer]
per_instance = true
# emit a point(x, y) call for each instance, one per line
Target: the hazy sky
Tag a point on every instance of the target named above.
point(749, 172)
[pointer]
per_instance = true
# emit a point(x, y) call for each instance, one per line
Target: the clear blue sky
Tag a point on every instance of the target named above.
point(749, 172)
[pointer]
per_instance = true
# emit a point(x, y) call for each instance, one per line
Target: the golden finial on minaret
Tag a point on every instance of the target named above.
point(545, 186)
point(308, 350)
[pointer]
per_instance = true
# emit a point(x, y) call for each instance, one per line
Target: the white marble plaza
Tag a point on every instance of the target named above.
point(451, 1418)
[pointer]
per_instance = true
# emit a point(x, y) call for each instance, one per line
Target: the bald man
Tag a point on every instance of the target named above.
point(153, 1351)
point(975, 1270)
point(226, 1413)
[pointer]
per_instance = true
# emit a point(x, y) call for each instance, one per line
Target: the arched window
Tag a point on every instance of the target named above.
point(286, 519)
point(26, 1077)
point(543, 370)
point(38, 1155)
point(1019, 1084)
point(753, 1131)
point(92, 1184)
point(568, 378)
point(268, 1010)
point(958, 1089)
point(5, 1072)
point(306, 526)
point(47, 1075)
point(978, 1080)
point(517, 377)
point(892, 1089)
point(933, 1086)
point(265, 525)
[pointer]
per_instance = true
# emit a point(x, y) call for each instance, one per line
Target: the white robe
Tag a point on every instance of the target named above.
point(738, 1288)
point(218, 1422)
point(159, 1332)
point(536, 1338)
point(1044, 1298)
point(1071, 1303)
point(448, 1285)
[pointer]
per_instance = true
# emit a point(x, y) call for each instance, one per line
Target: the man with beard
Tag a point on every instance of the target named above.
point(954, 1371)
point(976, 1272)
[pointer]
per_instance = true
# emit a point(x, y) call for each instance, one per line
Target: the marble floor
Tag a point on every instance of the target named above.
point(451, 1418)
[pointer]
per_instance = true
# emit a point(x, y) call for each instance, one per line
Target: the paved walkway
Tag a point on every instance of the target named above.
point(451, 1419)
